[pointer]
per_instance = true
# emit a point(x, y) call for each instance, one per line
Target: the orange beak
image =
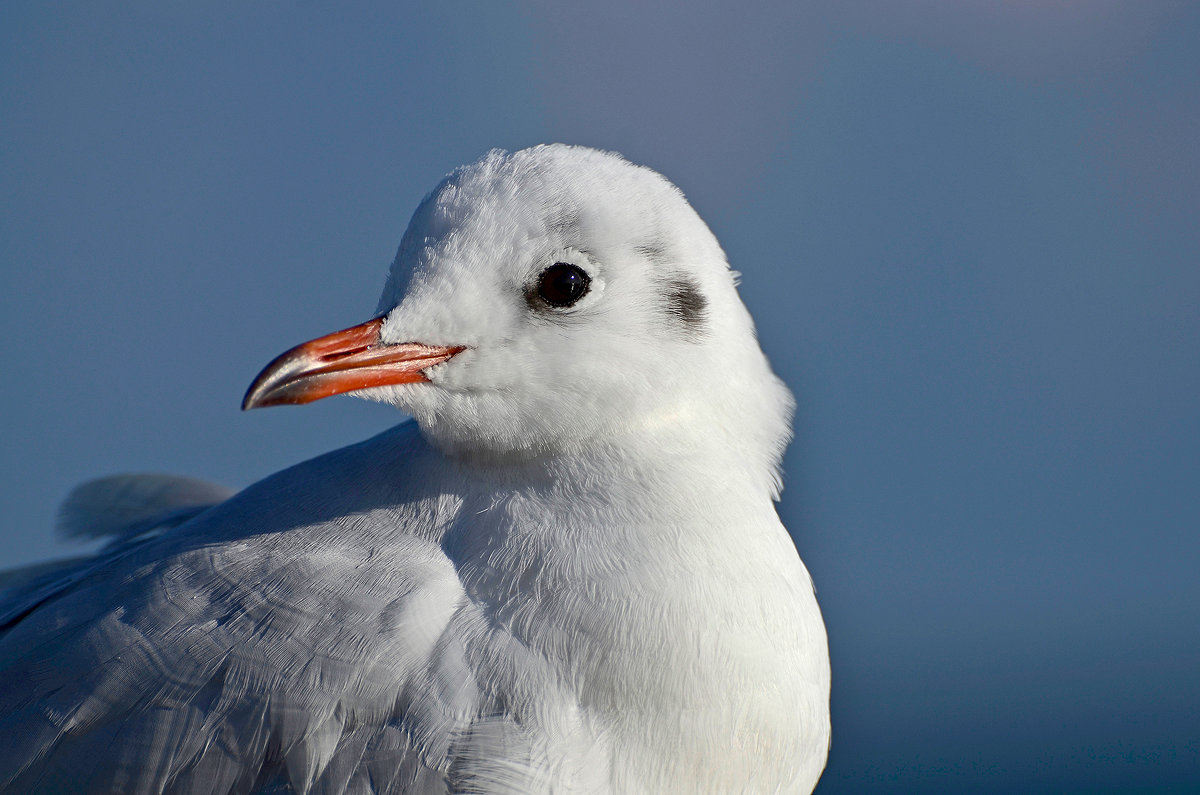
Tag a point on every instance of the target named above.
point(344, 361)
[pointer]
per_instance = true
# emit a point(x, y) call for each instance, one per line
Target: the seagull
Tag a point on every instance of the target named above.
point(566, 575)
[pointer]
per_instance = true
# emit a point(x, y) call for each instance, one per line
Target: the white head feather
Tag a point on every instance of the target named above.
point(661, 341)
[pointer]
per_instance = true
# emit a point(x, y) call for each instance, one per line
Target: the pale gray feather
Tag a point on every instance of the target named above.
point(231, 653)
point(124, 506)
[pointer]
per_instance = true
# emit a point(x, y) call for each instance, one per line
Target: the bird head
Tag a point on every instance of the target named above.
point(545, 299)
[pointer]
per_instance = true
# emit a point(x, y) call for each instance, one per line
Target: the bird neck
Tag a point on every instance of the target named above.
point(658, 499)
point(658, 560)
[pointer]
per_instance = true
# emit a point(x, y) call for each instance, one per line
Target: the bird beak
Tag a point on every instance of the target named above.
point(355, 358)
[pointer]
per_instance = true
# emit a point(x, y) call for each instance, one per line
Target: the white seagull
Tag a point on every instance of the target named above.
point(567, 576)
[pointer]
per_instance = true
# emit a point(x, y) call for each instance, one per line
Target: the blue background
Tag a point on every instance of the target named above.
point(968, 232)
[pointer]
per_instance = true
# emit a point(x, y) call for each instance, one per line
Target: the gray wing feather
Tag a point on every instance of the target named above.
point(13, 579)
point(123, 506)
point(216, 660)
point(201, 684)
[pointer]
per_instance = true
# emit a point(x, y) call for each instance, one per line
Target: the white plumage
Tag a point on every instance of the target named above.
point(567, 576)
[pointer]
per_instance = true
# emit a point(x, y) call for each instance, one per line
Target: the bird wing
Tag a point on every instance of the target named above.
point(273, 640)
point(123, 508)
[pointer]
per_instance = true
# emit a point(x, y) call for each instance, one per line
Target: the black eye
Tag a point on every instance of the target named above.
point(562, 284)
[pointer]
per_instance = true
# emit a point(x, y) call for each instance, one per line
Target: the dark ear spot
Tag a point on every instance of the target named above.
point(684, 303)
point(687, 304)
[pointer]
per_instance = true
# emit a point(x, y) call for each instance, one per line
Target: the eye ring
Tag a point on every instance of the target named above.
point(563, 284)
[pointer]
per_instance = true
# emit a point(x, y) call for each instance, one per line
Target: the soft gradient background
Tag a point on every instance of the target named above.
point(968, 232)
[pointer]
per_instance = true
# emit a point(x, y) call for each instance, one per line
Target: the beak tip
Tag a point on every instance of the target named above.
point(260, 398)
point(256, 395)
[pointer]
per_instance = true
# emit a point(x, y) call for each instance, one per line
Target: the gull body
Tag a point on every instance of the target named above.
point(567, 575)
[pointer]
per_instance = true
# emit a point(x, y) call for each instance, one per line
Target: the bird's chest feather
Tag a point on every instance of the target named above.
point(649, 638)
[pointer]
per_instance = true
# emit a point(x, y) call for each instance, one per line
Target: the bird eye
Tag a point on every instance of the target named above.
point(562, 284)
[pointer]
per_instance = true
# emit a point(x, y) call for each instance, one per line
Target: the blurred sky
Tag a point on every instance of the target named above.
point(968, 232)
